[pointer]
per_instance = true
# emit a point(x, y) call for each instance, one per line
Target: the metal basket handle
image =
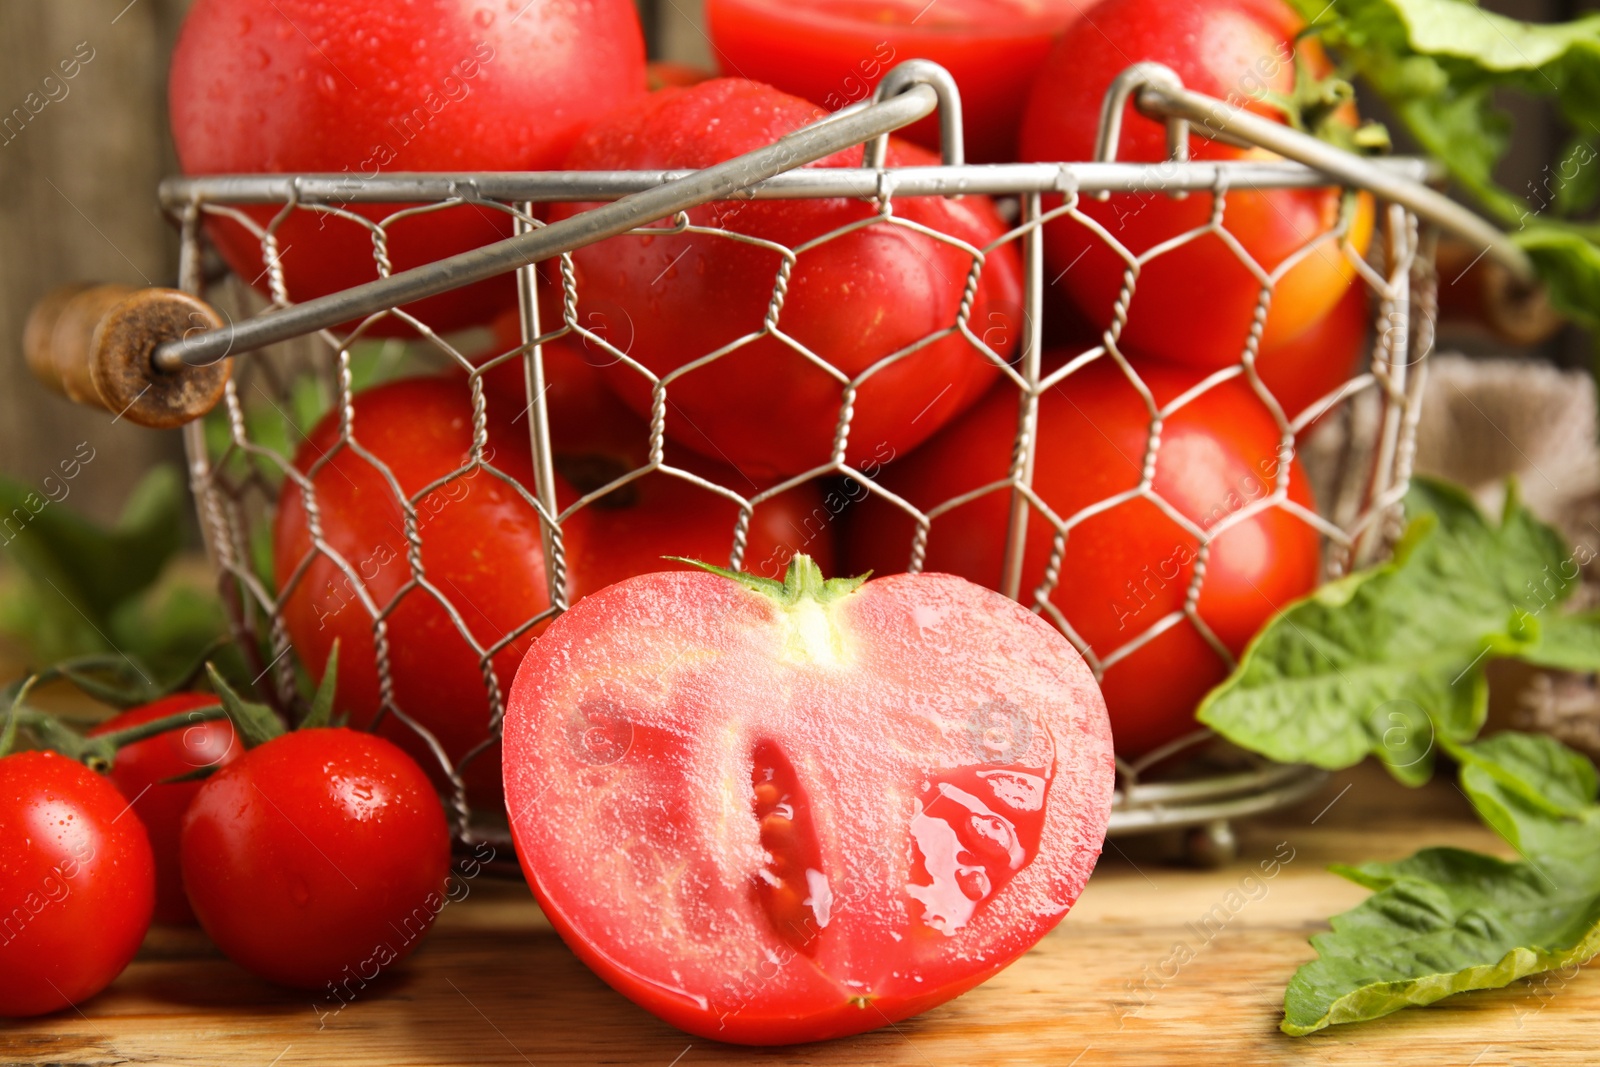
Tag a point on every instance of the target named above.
point(911, 91)
point(1158, 92)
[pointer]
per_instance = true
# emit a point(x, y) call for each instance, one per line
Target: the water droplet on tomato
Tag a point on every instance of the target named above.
point(483, 17)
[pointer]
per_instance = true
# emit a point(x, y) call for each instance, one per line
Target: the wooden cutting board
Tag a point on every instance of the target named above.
point(1156, 965)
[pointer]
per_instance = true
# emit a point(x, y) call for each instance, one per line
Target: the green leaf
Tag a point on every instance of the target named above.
point(1444, 66)
point(1567, 642)
point(255, 723)
point(1446, 920)
point(1389, 661)
point(1569, 263)
point(95, 568)
point(321, 713)
point(1536, 767)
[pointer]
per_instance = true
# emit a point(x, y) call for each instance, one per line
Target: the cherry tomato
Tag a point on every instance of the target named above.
point(367, 87)
point(854, 300)
point(481, 552)
point(1126, 570)
point(771, 818)
point(1306, 368)
point(140, 771)
point(1192, 304)
point(319, 856)
point(834, 53)
point(77, 879)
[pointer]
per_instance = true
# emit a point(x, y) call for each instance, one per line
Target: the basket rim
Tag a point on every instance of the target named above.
point(992, 179)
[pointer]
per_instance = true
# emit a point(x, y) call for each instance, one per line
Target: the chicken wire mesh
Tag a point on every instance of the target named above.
point(292, 424)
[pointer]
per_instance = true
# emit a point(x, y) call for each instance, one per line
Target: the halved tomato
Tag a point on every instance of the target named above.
point(777, 812)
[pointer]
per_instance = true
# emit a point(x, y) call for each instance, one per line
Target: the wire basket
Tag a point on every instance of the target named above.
point(242, 456)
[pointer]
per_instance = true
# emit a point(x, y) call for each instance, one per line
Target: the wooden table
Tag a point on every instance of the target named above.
point(494, 985)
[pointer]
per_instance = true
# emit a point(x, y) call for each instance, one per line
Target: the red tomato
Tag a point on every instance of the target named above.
point(1306, 368)
point(319, 856)
point(1193, 304)
point(771, 819)
point(77, 880)
point(482, 552)
point(367, 87)
point(834, 53)
point(1127, 569)
point(597, 439)
point(854, 300)
point(142, 767)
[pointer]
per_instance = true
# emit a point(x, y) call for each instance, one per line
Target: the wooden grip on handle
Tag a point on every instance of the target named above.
point(1474, 287)
point(93, 343)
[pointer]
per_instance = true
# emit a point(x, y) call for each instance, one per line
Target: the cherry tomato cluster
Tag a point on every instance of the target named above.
point(407, 530)
point(301, 857)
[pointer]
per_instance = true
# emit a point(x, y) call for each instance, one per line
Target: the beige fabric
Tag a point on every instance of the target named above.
point(1485, 420)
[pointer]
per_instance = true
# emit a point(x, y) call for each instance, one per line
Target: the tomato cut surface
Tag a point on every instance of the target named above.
point(771, 820)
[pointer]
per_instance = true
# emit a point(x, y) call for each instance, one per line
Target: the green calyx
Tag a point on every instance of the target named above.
point(1317, 105)
point(802, 581)
point(254, 723)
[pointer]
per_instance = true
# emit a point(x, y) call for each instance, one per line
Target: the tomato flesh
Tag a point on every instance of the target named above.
point(770, 823)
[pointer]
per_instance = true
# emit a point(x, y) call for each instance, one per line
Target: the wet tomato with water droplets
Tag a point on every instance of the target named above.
point(1250, 53)
point(319, 857)
point(853, 294)
point(141, 771)
point(362, 88)
point(778, 812)
point(481, 553)
point(77, 881)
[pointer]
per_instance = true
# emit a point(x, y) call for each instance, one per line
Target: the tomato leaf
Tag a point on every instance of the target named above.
point(96, 568)
point(1441, 65)
point(255, 723)
point(1447, 920)
point(1389, 661)
point(321, 713)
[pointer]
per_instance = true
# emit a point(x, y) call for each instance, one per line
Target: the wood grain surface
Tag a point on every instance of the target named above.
point(494, 985)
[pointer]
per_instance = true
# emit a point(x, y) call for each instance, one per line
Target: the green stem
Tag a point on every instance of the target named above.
point(128, 735)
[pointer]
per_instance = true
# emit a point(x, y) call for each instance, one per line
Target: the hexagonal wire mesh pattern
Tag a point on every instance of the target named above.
point(239, 468)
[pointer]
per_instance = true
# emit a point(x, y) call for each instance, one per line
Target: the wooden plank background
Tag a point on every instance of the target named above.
point(494, 985)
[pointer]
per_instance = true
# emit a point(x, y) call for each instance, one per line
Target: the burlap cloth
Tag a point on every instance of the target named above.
point(1485, 420)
